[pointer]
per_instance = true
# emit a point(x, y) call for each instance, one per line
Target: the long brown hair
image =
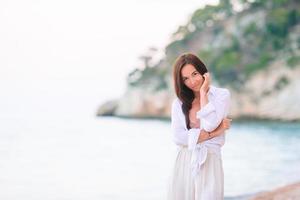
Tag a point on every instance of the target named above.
point(185, 94)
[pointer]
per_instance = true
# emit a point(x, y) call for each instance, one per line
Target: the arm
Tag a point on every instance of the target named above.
point(204, 90)
point(191, 137)
point(212, 113)
point(182, 136)
point(204, 135)
point(213, 109)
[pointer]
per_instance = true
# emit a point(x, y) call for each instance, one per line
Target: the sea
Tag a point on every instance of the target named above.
point(54, 147)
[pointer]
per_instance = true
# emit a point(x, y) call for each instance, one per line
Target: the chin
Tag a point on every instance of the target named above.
point(196, 89)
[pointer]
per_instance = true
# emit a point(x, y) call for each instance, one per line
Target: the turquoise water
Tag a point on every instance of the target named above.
point(53, 147)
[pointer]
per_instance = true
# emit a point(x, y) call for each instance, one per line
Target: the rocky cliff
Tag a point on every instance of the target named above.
point(253, 51)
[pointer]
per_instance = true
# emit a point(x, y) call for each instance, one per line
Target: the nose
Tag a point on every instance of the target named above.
point(193, 82)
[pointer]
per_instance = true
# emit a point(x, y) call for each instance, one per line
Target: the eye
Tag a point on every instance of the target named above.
point(195, 73)
point(184, 79)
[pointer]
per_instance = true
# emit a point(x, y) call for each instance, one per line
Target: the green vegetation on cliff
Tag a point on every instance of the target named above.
point(233, 43)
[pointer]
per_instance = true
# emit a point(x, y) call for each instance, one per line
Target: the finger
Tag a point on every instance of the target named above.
point(206, 75)
point(226, 121)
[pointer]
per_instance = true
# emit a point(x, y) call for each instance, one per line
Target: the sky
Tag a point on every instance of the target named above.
point(84, 40)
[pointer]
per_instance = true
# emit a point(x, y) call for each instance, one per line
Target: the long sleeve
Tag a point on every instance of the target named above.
point(181, 135)
point(215, 110)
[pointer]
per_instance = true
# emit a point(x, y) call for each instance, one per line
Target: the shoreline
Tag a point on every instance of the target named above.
point(290, 192)
point(240, 119)
point(286, 192)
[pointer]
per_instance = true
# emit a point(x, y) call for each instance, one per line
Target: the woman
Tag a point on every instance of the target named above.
point(198, 125)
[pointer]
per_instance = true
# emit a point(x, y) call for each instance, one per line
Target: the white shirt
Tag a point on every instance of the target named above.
point(210, 117)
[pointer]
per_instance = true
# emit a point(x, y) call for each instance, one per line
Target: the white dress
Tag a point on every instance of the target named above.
point(198, 171)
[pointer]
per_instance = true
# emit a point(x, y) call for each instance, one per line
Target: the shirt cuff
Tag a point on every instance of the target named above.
point(207, 109)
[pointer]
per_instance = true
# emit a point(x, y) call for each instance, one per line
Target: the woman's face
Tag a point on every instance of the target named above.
point(191, 77)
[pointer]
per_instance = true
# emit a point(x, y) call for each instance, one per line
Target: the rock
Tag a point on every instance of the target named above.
point(270, 94)
point(108, 108)
point(139, 103)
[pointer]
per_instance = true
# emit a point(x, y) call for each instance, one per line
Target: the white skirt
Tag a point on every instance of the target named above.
point(207, 185)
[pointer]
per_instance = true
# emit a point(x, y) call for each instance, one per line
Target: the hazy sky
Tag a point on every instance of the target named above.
point(84, 40)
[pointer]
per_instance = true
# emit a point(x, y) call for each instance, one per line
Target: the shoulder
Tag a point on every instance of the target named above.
point(220, 92)
point(176, 104)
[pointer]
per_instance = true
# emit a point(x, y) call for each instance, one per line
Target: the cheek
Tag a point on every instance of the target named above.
point(187, 84)
point(200, 80)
